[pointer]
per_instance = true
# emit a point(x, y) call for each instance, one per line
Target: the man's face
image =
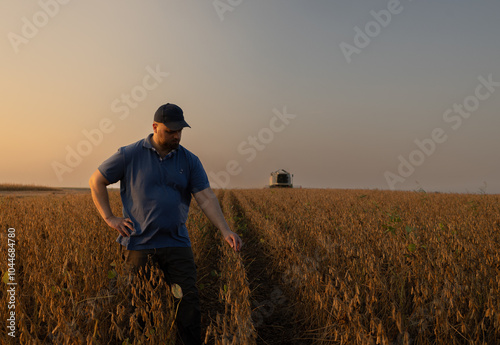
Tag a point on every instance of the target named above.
point(167, 139)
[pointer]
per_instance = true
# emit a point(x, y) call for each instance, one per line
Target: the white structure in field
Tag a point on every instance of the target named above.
point(281, 178)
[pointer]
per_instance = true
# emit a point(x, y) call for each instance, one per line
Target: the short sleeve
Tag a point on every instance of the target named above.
point(113, 168)
point(198, 177)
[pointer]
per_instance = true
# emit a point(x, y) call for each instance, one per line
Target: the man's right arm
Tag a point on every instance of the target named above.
point(98, 184)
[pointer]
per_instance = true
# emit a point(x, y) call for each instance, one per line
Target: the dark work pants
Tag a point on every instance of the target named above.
point(177, 264)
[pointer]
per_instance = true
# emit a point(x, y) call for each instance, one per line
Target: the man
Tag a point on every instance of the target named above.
point(157, 178)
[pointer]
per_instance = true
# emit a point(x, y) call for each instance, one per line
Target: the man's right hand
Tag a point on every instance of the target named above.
point(123, 225)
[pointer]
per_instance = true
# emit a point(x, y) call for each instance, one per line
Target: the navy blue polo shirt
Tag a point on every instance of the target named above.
point(155, 192)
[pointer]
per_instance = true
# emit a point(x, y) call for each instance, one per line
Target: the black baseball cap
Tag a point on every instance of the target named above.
point(171, 116)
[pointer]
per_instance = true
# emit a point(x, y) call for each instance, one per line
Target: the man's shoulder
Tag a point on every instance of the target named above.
point(135, 146)
point(186, 153)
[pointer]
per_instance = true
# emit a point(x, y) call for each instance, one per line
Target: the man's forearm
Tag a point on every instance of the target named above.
point(98, 184)
point(214, 213)
point(209, 204)
point(101, 200)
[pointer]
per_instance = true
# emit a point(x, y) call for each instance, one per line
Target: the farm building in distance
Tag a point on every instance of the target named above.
point(281, 178)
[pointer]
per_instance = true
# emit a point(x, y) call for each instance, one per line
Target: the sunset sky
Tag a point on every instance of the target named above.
point(380, 94)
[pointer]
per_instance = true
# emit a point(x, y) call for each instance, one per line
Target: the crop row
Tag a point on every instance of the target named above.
point(387, 268)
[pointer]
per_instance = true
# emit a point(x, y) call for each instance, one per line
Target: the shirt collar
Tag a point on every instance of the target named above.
point(147, 144)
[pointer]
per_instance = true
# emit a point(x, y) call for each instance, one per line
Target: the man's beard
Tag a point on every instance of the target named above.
point(172, 146)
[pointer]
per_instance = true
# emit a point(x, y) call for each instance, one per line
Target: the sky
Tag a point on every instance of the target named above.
point(370, 94)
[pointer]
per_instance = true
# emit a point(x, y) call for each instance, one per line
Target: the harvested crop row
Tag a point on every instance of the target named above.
point(303, 282)
point(235, 325)
point(206, 249)
point(274, 315)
